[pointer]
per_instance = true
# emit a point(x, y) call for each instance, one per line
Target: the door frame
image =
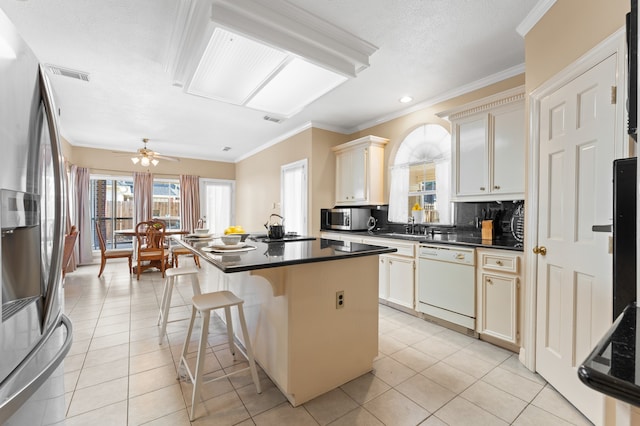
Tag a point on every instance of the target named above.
point(614, 44)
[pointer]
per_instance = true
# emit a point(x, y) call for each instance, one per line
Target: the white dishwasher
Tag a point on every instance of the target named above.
point(446, 287)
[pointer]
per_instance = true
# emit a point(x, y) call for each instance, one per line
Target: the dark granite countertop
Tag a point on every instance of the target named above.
point(457, 237)
point(611, 367)
point(271, 255)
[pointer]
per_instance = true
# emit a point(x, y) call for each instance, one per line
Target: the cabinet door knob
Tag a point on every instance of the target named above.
point(499, 262)
point(496, 187)
point(540, 250)
point(489, 281)
point(482, 188)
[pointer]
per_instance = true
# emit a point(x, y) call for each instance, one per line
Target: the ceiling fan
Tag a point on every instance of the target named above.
point(145, 156)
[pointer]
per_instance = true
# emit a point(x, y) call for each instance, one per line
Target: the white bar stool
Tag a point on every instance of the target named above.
point(170, 276)
point(204, 304)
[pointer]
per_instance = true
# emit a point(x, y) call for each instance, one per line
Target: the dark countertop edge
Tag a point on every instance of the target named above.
point(607, 384)
point(245, 268)
point(496, 244)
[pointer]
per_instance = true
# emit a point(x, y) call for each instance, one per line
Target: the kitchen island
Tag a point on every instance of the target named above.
point(311, 308)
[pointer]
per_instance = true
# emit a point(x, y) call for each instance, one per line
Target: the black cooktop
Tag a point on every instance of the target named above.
point(611, 367)
point(263, 238)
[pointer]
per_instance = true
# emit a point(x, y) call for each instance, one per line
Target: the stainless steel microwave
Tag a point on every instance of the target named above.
point(345, 219)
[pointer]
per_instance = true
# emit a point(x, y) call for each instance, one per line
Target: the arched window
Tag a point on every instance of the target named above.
point(421, 176)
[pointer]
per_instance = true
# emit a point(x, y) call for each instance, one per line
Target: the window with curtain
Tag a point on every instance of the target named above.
point(293, 190)
point(112, 202)
point(166, 202)
point(420, 177)
point(217, 201)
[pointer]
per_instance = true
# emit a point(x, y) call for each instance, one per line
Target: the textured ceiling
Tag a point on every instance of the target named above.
point(426, 49)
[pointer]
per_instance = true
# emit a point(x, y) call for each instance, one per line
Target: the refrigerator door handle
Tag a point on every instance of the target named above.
point(11, 404)
point(602, 228)
point(55, 275)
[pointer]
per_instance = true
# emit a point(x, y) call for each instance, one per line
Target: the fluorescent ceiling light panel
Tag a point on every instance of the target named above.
point(233, 67)
point(298, 84)
point(236, 50)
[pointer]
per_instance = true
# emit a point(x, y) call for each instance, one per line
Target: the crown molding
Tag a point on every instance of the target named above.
point(534, 16)
point(478, 84)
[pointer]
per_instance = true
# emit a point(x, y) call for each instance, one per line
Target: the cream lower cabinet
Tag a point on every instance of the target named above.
point(396, 272)
point(396, 280)
point(499, 274)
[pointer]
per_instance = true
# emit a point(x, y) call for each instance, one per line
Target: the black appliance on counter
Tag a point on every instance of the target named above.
point(624, 233)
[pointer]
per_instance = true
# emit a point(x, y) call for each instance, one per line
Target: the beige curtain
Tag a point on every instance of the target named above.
point(81, 212)
point(72, 265)
point(142, 196)
point(189, 201)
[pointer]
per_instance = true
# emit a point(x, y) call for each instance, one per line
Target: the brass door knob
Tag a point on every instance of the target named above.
point(540, 250)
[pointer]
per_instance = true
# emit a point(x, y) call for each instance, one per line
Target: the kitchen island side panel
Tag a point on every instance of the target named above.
point(301, 340)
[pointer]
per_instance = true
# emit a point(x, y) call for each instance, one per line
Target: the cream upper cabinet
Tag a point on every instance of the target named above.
point(488, 144)
point(360, 171)
point(472, 161)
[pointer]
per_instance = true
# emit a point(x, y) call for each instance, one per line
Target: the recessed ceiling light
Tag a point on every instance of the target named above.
point(405, 99)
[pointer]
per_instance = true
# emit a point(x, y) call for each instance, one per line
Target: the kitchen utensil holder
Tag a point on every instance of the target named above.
point(487, 230)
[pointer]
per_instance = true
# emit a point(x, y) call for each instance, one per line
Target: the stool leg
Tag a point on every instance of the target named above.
point(164, 296)
point(195, 285)
point(249, 349)
point(227, 317)
point(202, 346)
point(164, 299)
point(165, 307)
point(185, 347)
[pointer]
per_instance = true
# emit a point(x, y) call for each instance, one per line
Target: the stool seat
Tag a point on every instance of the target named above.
point(184, 270)
point(215, 300)
point(204, 304)
point(169, 281)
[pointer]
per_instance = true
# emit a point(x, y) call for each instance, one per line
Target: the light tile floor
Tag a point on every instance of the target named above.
point(117, 374)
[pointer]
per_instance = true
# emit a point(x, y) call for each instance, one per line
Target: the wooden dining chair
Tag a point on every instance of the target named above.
point(112, 253)
point(152, 252)
point(69, 243)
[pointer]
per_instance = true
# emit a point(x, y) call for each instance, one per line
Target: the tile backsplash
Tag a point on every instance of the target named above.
point(469, 215)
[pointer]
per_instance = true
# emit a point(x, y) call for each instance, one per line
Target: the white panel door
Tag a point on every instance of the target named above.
point(577, 125)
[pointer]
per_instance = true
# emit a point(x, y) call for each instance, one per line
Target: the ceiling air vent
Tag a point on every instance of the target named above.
point(67, 72)
point(273, 119)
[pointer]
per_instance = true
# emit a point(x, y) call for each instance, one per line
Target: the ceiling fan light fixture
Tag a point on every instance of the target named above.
point(144, 161)
point(154, 162)
point(135, 160)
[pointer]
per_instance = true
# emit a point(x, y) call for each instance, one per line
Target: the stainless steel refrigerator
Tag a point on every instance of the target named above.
point(35, 336)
